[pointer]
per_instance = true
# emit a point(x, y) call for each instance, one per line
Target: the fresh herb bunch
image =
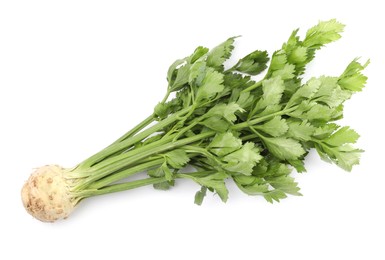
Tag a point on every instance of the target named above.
point(225, 125)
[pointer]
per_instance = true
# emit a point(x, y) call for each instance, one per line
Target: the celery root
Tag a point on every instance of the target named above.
point(224, 124)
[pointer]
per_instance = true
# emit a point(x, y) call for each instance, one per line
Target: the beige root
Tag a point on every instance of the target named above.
point(46, 194)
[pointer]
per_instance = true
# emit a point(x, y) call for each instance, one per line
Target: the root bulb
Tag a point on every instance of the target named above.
point(46, 195)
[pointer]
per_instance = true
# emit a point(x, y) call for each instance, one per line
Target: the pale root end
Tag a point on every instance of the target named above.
point(46, 194)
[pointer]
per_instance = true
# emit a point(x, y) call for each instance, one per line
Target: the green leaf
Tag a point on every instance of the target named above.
point(172, 70)
point(253, 63)
point(243, 160)
point(218, 55)
point(247, 179)
point(179, 72)
point(200, 195)
point(214, 181)
point(225, 143)
point(182, 77)
point(251, 185)
point(278, 61)
point(286, 184)
point(173, 105)
point(162, 171)
point(300, 130)
point(236, 95)
point(166, 185)
point(331, 93)
point(219, 187)
point(245, 100)
point(272, 92)
point(274, 195)
point(316, 112)
point(216, 123)
point(276, 168)
point(305, 92)
point(235, 80)
point(325, 130)
point(158, 172)
point(167, 172)
point(270, 174)
point(271, 166)
point(352, 78)
point(227, 111)
point(270, 109)
point(299, 165)
point(284, 148)
point(177, 158)
point(343, 136)
point(287, 72)
point(298, 55)
point(197, 73)
point(345, 156)
point(255, 189)
point(212, 84)
point(275, 127)
point(319, 112)
point(292, 42)
point(323, 33)
point(199, 52)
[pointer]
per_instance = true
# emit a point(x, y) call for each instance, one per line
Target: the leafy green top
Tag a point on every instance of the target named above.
point(226, 125)
point(264, 127)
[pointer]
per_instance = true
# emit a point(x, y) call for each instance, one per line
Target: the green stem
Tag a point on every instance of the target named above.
point(142, 124)
point(126, 173)
point(126, 144)
point(232, 68)
point(256, 132)
point(116, 163)
point(202, 151)
point(137, 183)
point(130, 133)
point(166, 96)
point(185, 129)
point(198, 174)
point(123, 186)
point(136, 129)
point(263, 118)
point(249, 137)
point(254, 86)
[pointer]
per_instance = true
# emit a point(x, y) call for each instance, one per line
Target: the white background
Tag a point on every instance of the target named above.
point(75, 75)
